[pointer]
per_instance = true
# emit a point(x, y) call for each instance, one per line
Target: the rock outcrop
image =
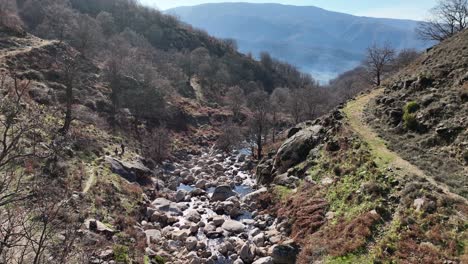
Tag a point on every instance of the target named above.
point(303, 143)
point(297, 147)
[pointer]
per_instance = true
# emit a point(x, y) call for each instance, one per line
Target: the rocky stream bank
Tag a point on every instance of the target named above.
point(206, 211)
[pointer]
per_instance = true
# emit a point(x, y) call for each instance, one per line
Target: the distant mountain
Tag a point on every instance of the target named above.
point(318, 41)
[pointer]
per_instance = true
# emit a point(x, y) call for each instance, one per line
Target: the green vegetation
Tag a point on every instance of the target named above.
point(409, 117)
point(121, 253)
point(159, 259)
point(390, 237)
point(353, 111)
point(361, 187)
point(349, 259)
point(282, 192)
point(410, 121)
point(411, 107)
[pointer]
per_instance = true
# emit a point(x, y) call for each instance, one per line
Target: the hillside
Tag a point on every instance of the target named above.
point(423, 113)
point(110, 115)
point(129, 137)
point(383, 178)
point(318, 41)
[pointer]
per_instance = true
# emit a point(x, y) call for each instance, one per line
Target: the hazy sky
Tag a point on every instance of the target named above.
point(408, 9)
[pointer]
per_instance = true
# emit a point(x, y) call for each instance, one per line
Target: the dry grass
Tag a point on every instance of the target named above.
point(307, 211)
point(383, 156)
point(342, 239)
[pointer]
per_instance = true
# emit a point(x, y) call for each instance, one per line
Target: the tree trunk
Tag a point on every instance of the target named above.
point(378, 78)
point(259, 146)
point(274, 128)
point(68, 114)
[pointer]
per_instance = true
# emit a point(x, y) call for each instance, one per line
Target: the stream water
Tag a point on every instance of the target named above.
point(227, 230)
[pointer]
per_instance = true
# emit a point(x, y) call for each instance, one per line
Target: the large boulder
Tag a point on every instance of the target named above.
point(152, 236)
point(191, 243)
point(218, 220)
point(233, 226)
point(99, 227)
point(164, 205)
point(251, 198)
point(284, 254)
point(134, 171)
point(295, 149)
point(265, 260)
point(192, 215)
point(222, 193)
point(264, 171)
point(247, 253)
point(286, 180)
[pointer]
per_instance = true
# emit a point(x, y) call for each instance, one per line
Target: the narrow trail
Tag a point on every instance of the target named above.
point(90, 182)
point(33, 43)
point(354, 112)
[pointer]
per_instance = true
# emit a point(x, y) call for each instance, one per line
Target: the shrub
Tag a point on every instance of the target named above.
point(409, 117)
point(230, 137)
point(410, 121)
point(121, 253)
point(159, 259)
point(411, 107)
point(157, 144)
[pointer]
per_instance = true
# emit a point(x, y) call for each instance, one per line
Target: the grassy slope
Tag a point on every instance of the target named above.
point(385, 157)
point(105, 196)
point(371, 191)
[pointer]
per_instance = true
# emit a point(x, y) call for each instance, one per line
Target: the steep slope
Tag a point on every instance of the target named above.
point(370, 183)
point(100, 181)
point(197, 208)
point(423, 113)
point(76, 174)
point(318, 41)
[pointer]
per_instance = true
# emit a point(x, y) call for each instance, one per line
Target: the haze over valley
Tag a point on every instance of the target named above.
point(320, 42)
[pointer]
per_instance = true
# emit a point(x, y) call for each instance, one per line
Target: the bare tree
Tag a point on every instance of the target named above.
point(114, 69)
point(404, 58)
point(259, 105)
point(16, 124)
point(295, 105)
point(313, 101)
point(278, 101)
point(107, 23)
point(448, 18)
point(70, 73)
point(157, 144)
point(378, 62)
point(87, 35)
point(231, 44)
point(33, 208)
point(230, 137)
point(8, 15)
point(59, 21)
point(235, 99)
point(53, 223)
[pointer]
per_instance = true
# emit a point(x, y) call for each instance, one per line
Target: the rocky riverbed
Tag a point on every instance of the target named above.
point(207, 212)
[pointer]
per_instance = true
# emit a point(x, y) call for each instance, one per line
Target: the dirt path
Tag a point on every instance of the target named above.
point(32, 43)
point(90, 182)
point(354, 112)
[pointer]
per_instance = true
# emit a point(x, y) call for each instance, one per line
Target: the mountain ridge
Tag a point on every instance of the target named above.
point(321, 42)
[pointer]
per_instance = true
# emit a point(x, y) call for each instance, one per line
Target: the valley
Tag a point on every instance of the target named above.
point(128, 136)
point(320, 42)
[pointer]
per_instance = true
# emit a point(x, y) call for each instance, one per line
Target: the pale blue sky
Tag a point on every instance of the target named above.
point(405, 9)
